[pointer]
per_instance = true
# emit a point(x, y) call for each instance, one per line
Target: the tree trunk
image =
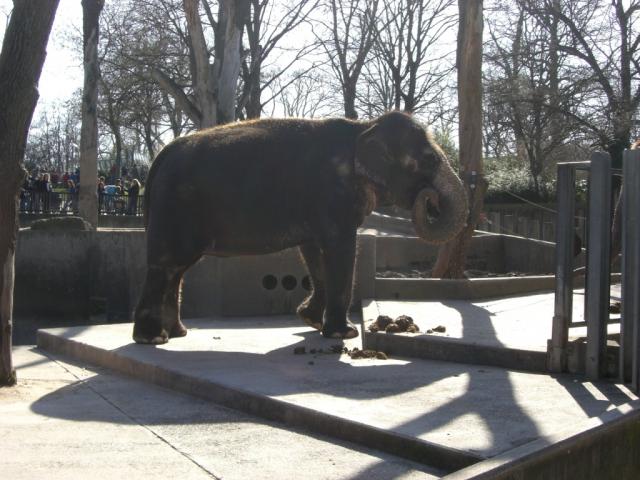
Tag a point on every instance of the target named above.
point(21, 59)
point(235, 13)
point(254, 103)
point(88, 198)
point(349, 94)
point(452, 256)
point(114, 126)
point(202, 74)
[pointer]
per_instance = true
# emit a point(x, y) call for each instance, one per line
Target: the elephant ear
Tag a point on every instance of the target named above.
point(372, 156)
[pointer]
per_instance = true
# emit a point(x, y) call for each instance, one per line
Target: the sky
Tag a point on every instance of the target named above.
point(62, 71)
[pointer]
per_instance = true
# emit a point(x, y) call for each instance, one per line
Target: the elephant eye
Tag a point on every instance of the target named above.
point(410, 162)
point(430, 158)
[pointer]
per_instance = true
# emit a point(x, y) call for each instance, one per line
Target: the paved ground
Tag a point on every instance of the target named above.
point(64, 421)
point(475, 410)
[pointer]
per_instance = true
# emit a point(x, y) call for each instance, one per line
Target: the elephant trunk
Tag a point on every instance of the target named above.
point(440, 213)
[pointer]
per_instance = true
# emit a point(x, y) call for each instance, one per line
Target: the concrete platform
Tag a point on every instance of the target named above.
point(68, 421)
point(508, 332)
point(445, 415)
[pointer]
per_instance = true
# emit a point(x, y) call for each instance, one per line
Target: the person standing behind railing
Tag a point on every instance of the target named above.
point(110, 192)
point(119, 202)
point(100, 194)
point(134, 191)
point(45, 191)
point(26, 194)
point(72, 194)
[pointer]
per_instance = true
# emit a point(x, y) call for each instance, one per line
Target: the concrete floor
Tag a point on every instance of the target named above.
point(66, 421)
point(522, 322)
point(469, 410)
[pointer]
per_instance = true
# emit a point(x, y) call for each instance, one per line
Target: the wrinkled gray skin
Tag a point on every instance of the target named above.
point(262, 186)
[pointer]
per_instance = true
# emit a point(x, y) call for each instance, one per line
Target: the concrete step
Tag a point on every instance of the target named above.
point(510, 332)
point(445, 415)
point(467, 289)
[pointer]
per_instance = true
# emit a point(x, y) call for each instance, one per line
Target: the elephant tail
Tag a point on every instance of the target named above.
point(145, 203)
point(157, 163)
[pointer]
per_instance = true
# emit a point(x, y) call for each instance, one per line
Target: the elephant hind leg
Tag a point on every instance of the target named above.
point(178, 329)
point(157, 316)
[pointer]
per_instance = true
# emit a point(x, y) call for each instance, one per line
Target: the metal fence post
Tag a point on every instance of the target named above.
point(598, 250)
point(496, 226)
point(629, 325)
point(564, 268)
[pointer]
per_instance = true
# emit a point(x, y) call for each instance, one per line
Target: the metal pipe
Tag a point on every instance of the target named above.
point(564, 267)
point(598, 250)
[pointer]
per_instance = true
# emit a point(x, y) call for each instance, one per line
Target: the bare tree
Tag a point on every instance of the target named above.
point(523, 90)
point(213, 84)
point(21, 60)
point(133, 108)
point(412, 62)
point(88, 197)
point(602, 41)
point(347, 41)
point(306, 97)
point(266, 26)
point(54, 137)
point(452, 256)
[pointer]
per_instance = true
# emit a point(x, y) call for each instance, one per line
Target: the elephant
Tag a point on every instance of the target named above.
point(261, 186)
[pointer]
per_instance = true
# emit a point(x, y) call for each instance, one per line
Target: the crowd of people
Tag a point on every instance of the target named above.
point(53, 192)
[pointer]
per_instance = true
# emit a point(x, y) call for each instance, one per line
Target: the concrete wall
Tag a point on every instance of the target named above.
point(603, 448)
point(104, 221)
point(77, 273)
point(494, 253)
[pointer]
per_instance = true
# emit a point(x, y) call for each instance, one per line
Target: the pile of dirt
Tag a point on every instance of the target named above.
point(438, 329)
point(355, 353)
point(403, 323)
point(426, 273)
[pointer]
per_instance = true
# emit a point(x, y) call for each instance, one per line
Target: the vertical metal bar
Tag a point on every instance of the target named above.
point(597, 282)
point(630, 329)
point(564, 268)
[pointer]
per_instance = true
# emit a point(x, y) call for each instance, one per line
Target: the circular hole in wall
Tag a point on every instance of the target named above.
point(269, 282)
point(289, 282)
point(306, 283)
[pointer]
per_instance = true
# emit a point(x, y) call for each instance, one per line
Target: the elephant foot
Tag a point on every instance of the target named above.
point(149, 330)
point(346, 331)
point(310, 315)
point(178, 330)
point(150, 339)
point(158, 336)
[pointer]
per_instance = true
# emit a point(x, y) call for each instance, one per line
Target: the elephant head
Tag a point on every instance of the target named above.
point(397, 155)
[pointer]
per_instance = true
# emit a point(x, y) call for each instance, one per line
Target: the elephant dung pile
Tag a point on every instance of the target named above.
point(403, 323)
point(357, 354)
point(354, 354)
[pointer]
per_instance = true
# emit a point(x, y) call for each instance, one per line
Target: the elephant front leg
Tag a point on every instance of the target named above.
point(157, 316)
point(311, 309)
point(339, 261)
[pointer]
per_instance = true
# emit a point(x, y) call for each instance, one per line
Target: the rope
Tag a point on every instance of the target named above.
point(546, 209)
point(531, 203)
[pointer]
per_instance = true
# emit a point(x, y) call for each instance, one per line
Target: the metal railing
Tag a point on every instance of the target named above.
point(64, 203)
point(597, 282)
